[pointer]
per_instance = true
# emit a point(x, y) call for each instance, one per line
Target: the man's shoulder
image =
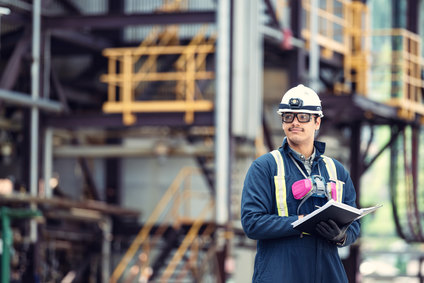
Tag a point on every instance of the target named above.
point(341, 169)
point(265, 158)
point(336, 162)
point(264, 164)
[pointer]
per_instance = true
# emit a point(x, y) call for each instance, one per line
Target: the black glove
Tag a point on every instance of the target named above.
point(331, 231)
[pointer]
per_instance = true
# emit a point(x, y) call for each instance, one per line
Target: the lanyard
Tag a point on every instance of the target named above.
point(300, 169)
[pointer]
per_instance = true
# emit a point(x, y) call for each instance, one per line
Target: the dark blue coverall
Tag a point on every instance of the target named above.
point(283, 254)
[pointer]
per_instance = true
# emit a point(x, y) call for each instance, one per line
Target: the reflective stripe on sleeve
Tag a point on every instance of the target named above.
point(280, 185)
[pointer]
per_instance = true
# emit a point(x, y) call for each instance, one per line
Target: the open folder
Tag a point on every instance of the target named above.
point(341, 213)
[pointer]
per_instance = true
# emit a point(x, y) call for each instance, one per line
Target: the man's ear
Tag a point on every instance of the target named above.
point(318, 123)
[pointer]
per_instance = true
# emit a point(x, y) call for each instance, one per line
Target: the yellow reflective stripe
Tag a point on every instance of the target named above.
point(280, 164)
point(280, 195)
point(339, 187)
point(280, 185)
point(332, 172)
point(331, 168)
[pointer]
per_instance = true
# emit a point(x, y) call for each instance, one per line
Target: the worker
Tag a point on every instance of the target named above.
point(271, 201)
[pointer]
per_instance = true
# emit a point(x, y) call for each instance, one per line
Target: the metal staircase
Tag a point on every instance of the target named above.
point(178, 229)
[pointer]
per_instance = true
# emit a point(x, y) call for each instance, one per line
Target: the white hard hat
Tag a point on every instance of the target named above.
point(300, 99)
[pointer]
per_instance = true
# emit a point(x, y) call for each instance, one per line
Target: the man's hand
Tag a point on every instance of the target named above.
point(331, 231)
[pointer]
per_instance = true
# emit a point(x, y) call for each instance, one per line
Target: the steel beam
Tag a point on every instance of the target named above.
point(314, 56)
point(9, 77)
point(17, 19)
point(115, 120)
point(298, 58)
point(35, 111)
point(412, 18)
point(61, 94)
point(22, 99)
point(69, 204)
point(351, 263)
point(120, 151)
point(271, 12)
point(276, 35)
point(222, 106)
point(91, 42)
point(118, 21)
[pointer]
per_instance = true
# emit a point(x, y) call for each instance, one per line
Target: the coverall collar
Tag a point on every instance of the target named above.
point(319, 148)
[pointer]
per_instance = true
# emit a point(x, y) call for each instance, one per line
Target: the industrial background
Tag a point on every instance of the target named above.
point(127, 127)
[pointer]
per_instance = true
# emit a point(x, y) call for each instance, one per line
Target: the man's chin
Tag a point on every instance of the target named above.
point(295, 139)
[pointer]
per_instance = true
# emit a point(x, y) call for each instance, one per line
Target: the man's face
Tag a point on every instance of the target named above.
point(300, 133)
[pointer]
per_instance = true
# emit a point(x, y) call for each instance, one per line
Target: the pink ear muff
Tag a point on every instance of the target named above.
point(301, 188)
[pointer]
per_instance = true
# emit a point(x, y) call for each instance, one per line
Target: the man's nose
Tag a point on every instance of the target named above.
point(295, 120)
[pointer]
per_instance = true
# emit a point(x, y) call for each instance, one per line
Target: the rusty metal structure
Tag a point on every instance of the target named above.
point(87, 87)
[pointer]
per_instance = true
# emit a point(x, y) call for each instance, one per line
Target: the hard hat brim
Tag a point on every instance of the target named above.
point(281, 111)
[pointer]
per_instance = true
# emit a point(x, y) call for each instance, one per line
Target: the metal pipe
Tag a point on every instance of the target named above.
point(4, 11)
point(7, 239)
point(278, 36)
point(17, 3)
point(106, 226)
point(6, 216)
point(255, 62)
point(91, 205)
point(241, 69)
point(48, 161)
point(117, 151)
point(35, 88)
point(22, 99)
point(222, 104)
point(47, 64)
point(313, 47)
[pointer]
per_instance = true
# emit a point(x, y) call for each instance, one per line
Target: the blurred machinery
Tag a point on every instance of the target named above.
point(126, 127)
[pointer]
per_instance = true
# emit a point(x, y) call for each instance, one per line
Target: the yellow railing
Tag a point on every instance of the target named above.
point(386, 75)
point(172, 209)
point(173, 5)
point(332, 25)
point(129, 67)
point(397, 71)
point(357, 61)
point(193, 264)
point(342, 28)
point(188, 241)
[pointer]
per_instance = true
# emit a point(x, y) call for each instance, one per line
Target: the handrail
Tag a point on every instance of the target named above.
point(113, 59)
point(188, 240)
point(188, 72)
point(189, 69)
point(332, 35)
point(142, 238)
point(168, 35)
point(206, 233)
point(145, 231)
point(343, 28)
point(397, 70)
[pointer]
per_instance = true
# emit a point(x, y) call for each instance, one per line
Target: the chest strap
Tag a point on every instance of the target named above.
point(280, 185)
